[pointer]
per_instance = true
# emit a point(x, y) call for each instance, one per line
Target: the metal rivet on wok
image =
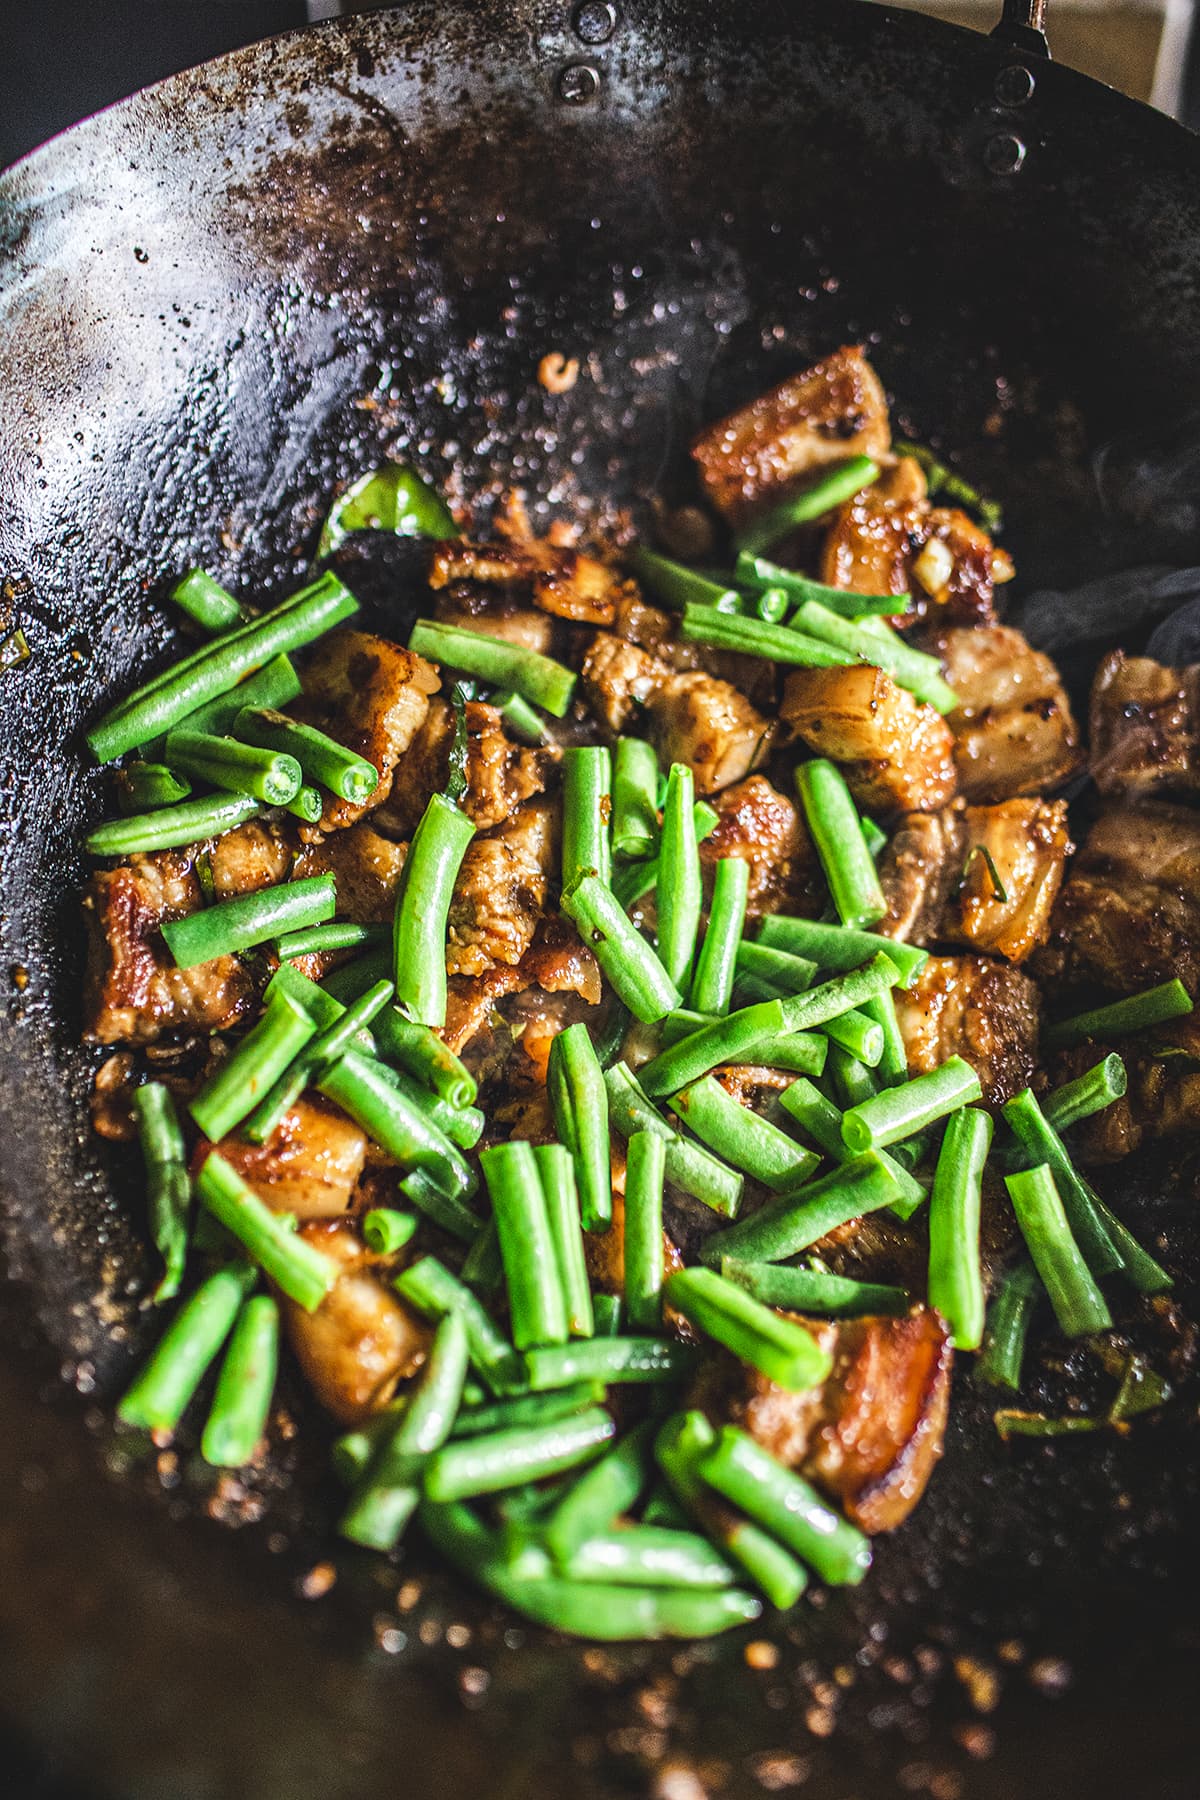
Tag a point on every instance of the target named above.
point(1014, 85)
point(1004, 153)
point(578, 83)
point(594, 21)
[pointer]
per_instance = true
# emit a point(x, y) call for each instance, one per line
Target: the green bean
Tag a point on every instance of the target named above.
point(420, 1052)
point(813, 1290)
point(757, 572)
point(852, 1081)
point(597, 1610)
point(306, 804)
point(787, 1507)
point(1169, 1000)
point(794, 1222)
point(519, 718)
point(264, 1054)
point(1039, 1143)
point(645, 1168)
point(608, 1312)
point(423, 897)
point(276, 684)
point(680, 897)
point(388, 1495)
point(362, 1088)
point(1078, 1304)
point(636, 879)
point(527, 1409)
point(171, 826)
point(250, 919)
point(312, 1058)
point(681, 1444)
point(578, 1095)
point(831, 488)
point(823, 1122)
point(339, 934)
point(836, 830)
point(321, 758)
point(556, 1172)
point(722, 630)
point(635, 810)
point(689, 1166)
point(351, 1454)
point(444, 1210)
point(891, 1068)
point(242, 1400)
point(484, 1465)
point(1007, 1327)
point(712, 981)
point(304, 1275)
point(955, 1276)
point(644, 1556)
point(385, 1230)
point(641, 981)
point(145, 786)
point(1089, 1093)
point(219, 666)
point(429, 1286)
point(611, 1359)
point(727, 1039)
point(677, 585)
point(168, 1184)
point(911, 669)
point(536, 678)
point(160, 1392)
point(211, 606)
point(860, 1036)
point(536, 1304)
point(787, 973)
point(743, 1138)
point(587, 813)
point(836, 949)
point(483, 1266)
point(896, 1113)
point(782, 1350)
point(600, 1495)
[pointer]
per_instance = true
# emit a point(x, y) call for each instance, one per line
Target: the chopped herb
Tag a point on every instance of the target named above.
point(1011, 1422)
point(1141, 1390)
point(999, 891)
point(456, 781)
point(14, 650)
point(942, 479)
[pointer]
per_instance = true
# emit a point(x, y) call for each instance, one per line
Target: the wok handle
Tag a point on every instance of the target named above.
point(1023, 25)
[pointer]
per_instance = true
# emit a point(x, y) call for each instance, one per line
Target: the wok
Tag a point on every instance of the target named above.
point(233, 290)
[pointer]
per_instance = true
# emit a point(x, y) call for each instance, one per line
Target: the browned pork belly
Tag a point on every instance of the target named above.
point(1128, 915)
point(1145, 728)
point(370, 695)
point(941, 887)
point(764, 828)
point(872, 1433)
point(560, 581)
point(972, 1007)
point(366, 866)
point(1013, 729)
point(361, 1341)
point(500, 894)
point(782, 439)
point(252, 856)
point(896, 752)
point(500, 774)
point(310, 1164)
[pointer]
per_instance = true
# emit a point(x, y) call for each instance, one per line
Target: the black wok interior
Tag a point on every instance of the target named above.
point(229, 293)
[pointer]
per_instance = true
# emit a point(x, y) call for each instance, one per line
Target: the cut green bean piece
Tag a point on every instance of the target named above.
point(339, 934)
point(782, 1350)
point(1040, 1143)
point(579, 1097)
point(836, 949)
point(794, 1222)
point(321, 758)
point(861, 1037)
point(143, 786)
point(608, 1312)
point(172, 826)
point(423, 897)
point(785, 972)
point(160, 1392)
point(444, 1210)
point(212, 607)
point(712, 982)
point(892, 1066)
point(831, 488)
point(955, 1274)
point(485, 1465)
point(429, 1286)
point(814, 1290)
point(733, 631)
point(303, 1274)
point(679, 892)
point(385, 1230)
point(851, 1080)
point(1078, 1304)
point(742, 1137)
point(531, 1273)
point(635, 807)
point(398, 1124)
point(420, 1052)
point(823, 1122)
point(536, 678)
point(645, 1556)
point(783, 1504)
point(250, 919)
point(645, 1170)
point(689, 1166)
point(1169, 1000)
point(526, 1409)
point(1089, 1093)
point(483, 1265)
point(836, 830)
point(556, 1171)
point(242, 1400)
point(677, 585)
point(896, 1113)
point(239, 1083)
point(909, 668)
point(276, 684)
point(600, 1495)
point(587, 813)
point(168, 1184)
point(612, 1359)
point(637, 974)
point(757, 572)
point(1007, 1327)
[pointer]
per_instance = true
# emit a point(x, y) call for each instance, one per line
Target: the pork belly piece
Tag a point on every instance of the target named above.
point(709, 725)
point(871, 1434)
point(1128, 915)
point(498, 614)
point(308, 1166)
point(366, 866)
point(1145, 726)
point(782, 440)
point(617, 679)
point(500, 893)
point(896, 752)
point(133, 992)
point(251, 856)
point(361, 1341)
point(972, 1007)
point(890, 540)
point(370, 695)
point(500, 774)
point(1013, 729)
point(637, 622)
point(558, 579)
point(940, 886)
point(765, 829)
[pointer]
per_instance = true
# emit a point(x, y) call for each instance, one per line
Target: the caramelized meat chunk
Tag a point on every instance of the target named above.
point(367, 869)
point(784, 438)
point(133, 991)
point(1145, 728)
point(870, 1436)
point(308, 1166)
point(500, 894)
point(617, 679)
point(886, 541)
point(970, 1006)
point(499, 614)
point(896, 752)
point(1013, 729)
point(765, 829)
point(941, 886)
point(1128, 915)
point(250, 857)
point(560, 580)
point(706, 723)
point(361, 1341)
point(372, 696)
point(500, 774)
